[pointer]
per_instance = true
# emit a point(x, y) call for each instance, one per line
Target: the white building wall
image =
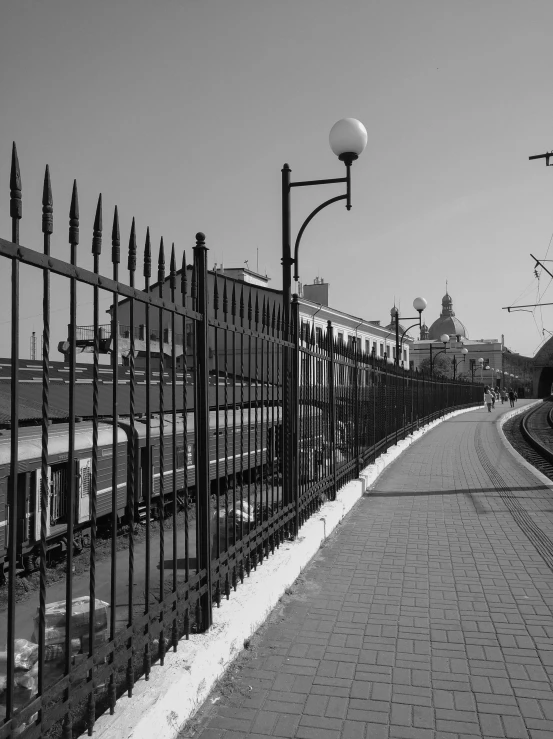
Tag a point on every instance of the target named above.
point(366, 334)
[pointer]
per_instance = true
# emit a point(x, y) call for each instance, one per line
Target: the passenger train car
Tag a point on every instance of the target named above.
point(241, 440)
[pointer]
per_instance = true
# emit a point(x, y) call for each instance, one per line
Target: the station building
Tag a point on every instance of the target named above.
point(501, 368)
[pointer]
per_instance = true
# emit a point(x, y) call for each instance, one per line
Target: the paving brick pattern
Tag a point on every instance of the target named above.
point(427, 615)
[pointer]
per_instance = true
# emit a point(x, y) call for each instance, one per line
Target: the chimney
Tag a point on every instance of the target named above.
point(317, 292)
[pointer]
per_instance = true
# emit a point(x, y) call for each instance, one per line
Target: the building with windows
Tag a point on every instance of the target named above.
point(368, 336)
point(241, 292)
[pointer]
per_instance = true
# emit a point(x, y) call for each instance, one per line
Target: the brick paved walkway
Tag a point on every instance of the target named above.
point(427, 615)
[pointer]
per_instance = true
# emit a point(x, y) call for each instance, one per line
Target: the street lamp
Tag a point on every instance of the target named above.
point(445, 339)
point(464, 351)
point(348, 139)
point(419, 304)
point(481, 363)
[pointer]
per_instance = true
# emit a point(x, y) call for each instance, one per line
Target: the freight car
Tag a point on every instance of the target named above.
point(241, 440)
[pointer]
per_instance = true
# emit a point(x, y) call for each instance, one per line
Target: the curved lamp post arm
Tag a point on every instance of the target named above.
point(442, 351)
point(307, 222)
point(408, 329)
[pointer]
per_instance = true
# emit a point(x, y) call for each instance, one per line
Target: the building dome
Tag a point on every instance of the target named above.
point(447, 323)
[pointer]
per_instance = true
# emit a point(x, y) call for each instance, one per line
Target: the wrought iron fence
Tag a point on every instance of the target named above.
point(202, 479)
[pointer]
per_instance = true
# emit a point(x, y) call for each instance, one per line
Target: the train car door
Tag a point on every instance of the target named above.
point(23, 505)
point(146, 455)
point(38, 488)
point(84, 476)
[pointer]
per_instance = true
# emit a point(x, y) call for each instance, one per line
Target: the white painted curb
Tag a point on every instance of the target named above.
point(160, 707)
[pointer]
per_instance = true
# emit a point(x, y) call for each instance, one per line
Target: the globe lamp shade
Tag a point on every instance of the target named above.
point(348, 136)
point(444, 338)
point(419, 304)
point(464, 350)
point(481, 360)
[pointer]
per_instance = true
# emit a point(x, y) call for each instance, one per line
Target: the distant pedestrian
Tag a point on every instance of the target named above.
point(516, 396)
point(512, 396)
point(492, 391)
point(488, 399)
point(504, 395)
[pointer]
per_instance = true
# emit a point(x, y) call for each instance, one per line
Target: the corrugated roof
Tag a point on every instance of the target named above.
point(30, 399)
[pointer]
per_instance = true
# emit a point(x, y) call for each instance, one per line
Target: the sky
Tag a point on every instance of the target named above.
point(183, 113)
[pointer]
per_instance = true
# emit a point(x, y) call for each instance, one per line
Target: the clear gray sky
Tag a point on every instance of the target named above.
point(183, 113)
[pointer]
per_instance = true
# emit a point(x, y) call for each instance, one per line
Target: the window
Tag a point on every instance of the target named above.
point(189, 334)
point(394, 352)
point(341, 338)
point(367, 346)
point(405, 355)
point(381, 349)
point(319, 372)
point(319, 336)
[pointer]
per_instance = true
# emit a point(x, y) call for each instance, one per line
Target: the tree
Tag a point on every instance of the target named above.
point(442, 367)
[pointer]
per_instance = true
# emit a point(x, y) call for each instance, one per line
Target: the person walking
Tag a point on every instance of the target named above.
point(488, 398)
point(492, 391)
point(512, 398)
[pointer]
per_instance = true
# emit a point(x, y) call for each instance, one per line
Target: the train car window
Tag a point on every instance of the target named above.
point(180, 457)
point(191, 448)
point(84, 470)
point(58, 493)
point(38, 493)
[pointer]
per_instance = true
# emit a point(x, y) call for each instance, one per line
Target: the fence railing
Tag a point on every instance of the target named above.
point(202, 490)
point(85, 334)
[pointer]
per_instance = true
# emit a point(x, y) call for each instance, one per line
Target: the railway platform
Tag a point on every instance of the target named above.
point(428, 614)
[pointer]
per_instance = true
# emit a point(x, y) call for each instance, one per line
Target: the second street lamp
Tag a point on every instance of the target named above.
point(419, 304)
point(348, 138)
point(464, 351)
point(444, 338)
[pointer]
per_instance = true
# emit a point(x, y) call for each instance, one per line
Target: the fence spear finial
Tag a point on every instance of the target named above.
point(16, 206)
point(74, 216)
point(161, 262)
point(115, 239)
point(131, 264)
point(97, 228)
point(147, 255)
point(225, 298)
point(173, 269)
point(47, 204)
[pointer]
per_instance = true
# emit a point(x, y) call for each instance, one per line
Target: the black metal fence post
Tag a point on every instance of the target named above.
point(332, 405)
point(296, 378)
point(356, 408)
point(202, 420)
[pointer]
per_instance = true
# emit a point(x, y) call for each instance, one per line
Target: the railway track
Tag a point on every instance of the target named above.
point(531, 434)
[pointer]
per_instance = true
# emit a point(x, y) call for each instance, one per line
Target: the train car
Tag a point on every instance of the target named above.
point(29, 482)
point(242, 442)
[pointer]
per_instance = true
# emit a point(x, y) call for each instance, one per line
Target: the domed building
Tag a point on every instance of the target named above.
point(447, 323)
